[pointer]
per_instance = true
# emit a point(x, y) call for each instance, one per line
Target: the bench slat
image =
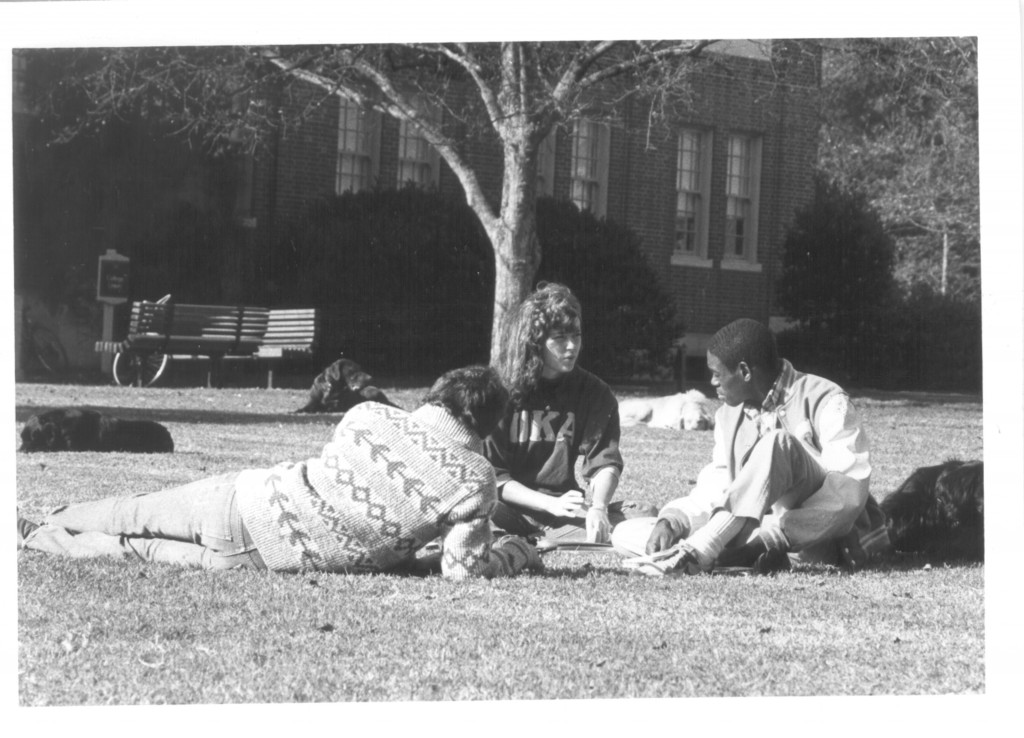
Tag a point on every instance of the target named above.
point(305, 322)
point(209, 309)
point(291, 327)
point(300, 336)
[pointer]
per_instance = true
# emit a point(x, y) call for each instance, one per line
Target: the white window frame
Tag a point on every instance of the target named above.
point(742, 198)
point(693, 180)
point(589, 173)
point(358, 149)
point(546, 166)
point(418, 161)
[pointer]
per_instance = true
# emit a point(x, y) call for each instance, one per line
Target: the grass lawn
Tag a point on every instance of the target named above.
point(106, 632)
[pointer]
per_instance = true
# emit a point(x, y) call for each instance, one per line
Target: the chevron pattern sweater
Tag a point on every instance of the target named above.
point(388, 483)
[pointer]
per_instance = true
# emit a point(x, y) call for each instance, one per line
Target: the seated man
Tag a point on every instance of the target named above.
point(789, 472)
point(389, 483)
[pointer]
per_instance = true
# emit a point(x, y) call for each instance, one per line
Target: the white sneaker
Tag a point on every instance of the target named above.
point(677, 560)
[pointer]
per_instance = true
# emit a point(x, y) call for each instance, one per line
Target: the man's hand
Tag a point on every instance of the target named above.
point(661, 538)
point(599, 528)
point(569, 505)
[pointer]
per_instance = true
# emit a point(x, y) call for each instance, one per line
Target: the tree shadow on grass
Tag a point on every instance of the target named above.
point(904, 562)
point(895, 563)
point(212, 416)
point(917, 399)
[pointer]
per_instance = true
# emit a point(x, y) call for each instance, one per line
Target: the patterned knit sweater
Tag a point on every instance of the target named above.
point(388, 483)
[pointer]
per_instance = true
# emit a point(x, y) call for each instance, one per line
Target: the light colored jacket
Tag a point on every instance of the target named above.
point(815, 411)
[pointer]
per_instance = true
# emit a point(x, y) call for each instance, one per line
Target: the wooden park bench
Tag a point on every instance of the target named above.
point(291, 334)
point(165, 329)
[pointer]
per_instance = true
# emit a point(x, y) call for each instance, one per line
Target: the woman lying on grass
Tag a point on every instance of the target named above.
point(558, 412)
point(388, 483)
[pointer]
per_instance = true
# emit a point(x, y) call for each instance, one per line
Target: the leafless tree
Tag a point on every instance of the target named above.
point(517, 91)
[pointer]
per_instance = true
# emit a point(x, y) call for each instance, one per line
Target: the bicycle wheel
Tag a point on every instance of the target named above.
point(48, 351)
point(138, 370)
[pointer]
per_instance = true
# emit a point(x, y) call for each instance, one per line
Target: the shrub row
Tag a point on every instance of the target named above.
point(922, 341)
point(406, 280)
point(857, 324)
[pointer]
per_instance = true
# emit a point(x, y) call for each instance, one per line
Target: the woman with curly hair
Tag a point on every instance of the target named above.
point(558, 412)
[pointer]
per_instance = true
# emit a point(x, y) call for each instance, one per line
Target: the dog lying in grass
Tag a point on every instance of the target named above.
point(682, 411)
point(340, 387)
point(939, 511)
point(77, 429)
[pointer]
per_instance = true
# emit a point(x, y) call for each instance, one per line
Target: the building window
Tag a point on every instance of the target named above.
point(590, 148)
point(21, 102)
point(358, 144)
point(742, 173)
point(693, 183)
point(418, 161)
point(546, 166)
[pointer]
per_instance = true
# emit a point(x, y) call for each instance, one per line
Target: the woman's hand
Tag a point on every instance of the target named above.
point(599, 528)
point(569, 505)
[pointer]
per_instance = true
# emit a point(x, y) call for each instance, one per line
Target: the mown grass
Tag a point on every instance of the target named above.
point(99, 632)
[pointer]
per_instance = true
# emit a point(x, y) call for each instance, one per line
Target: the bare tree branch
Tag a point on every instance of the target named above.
point(644, 60)
point(582, 60)
point(462, 55)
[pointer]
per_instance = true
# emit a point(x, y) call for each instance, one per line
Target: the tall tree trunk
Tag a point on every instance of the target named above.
point(517, 256)
point(516, 249)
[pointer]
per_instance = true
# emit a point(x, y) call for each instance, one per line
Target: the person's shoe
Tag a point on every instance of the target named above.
point(744, 555)
point(852, 556)
point(25, 527)
point(772, 561)
point(674, 561)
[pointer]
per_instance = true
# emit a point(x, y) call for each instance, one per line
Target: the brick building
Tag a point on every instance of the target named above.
point(711, 194)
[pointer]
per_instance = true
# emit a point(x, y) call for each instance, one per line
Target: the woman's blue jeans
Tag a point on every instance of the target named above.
point(196, 525)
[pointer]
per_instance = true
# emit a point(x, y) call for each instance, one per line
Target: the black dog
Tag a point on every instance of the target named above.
point(939, 511)
point(340, 387)
point(76, 429)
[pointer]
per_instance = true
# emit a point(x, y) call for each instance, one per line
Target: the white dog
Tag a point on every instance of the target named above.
point(682, 411)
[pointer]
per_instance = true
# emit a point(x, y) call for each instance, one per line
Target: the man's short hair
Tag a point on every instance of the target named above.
point(474, 395)
point(745, 340)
